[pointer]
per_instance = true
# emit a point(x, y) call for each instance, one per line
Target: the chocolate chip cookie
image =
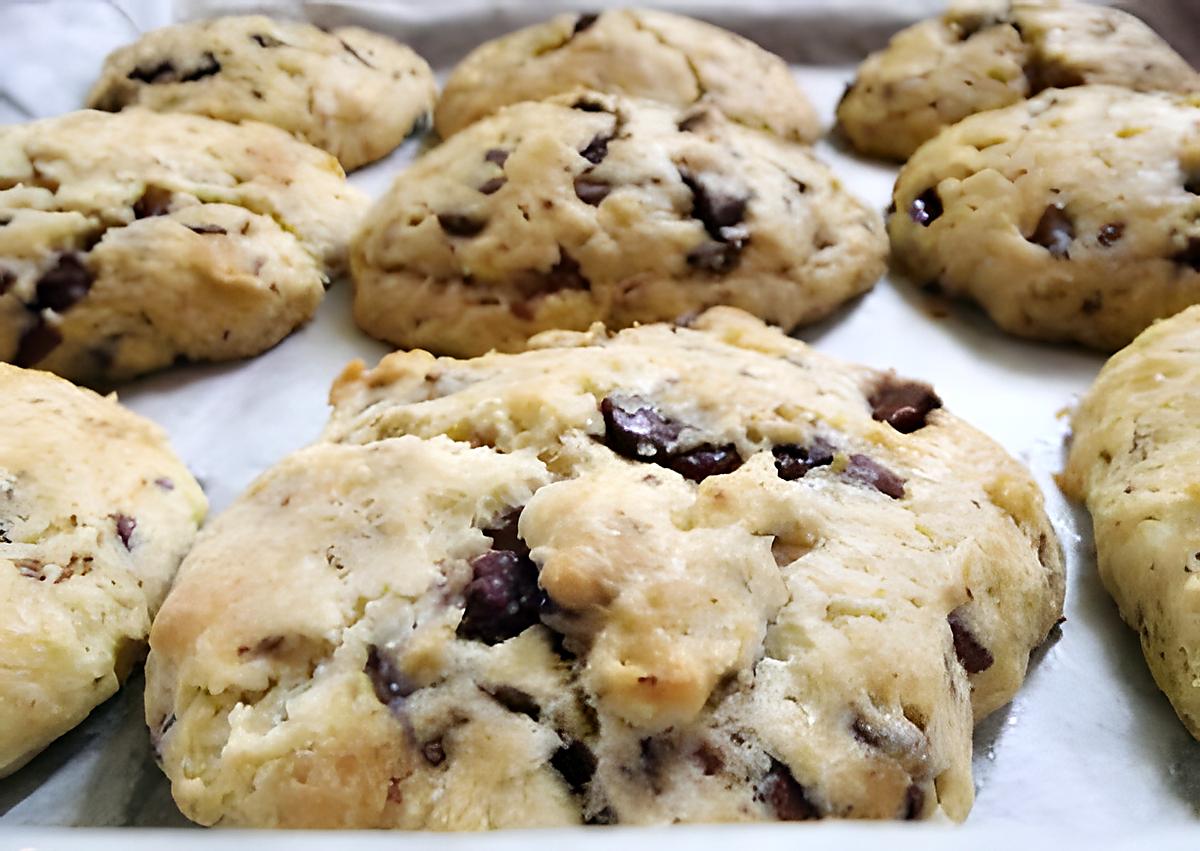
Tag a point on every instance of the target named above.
point(96, 513)
point(593, 207)
point(986, 54)
point(131, 240)
point(352, 92)
point(1133, 460)
point(668, 574)
point(636, 52)
point(1072, 216)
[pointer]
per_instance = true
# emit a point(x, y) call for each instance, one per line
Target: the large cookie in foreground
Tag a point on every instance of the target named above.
point(352, 92)
point(984, 55)
point(96, 513)
point(1073, 216)
point(640, 53)
point(593, 208)
point(673, 574)
point(131, 240)
point(1133, 460)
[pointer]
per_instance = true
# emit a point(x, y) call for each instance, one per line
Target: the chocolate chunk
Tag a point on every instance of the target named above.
point(584, 22)
point(717, 257)
point(563, 275)
point(590, 190)
point(904, 405)
point(207, 67)
point(869, 472)
point(1092, 304)
point(585, 105)
point(1054, 232)
point(1111, 234)
point(515, 700)
point(706, 460)
point(457, 224)
point(787, 798)
point(207, 229)
point(263, 40)
point(502, 599)
point(635, 430)
point(505, 536)
point(434, 752)
point(716, 209)
point(926, 208)
point(793, 461)
point(576, 763)
point(709, 759)
point(346, 47)
point(391, 684)
point(7, 279)
point(36, 344)
point(1190, 256)
point(155, 201)
point(163, 72)
point(63, 285)
point(125, 526)
point(914, 802)
point(1192, 184)
point(490, 186)
point(499, 156)
point(597, 149)
point(165, 483)
point(973, 656)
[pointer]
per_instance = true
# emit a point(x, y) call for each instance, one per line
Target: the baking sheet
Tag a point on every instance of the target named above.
point(1089, 746)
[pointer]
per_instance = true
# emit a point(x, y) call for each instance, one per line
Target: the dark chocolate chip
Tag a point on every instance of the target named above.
point(591, 191)
point(434, 752)
point(7, 279)
point(973, 656)
point(499, 156)
point(457, 224)
point(576, 763)
point(709, 759)
point(1111, 233)
point(717, 257)
point(597, 149)
point(635, 430)
point(207, 67)
point(62, 286)
point(564, 275)
point(515, 700)
point(717, 210)
point(264, 40)
point(914, 802)
point(584, 22)
point(585, 105)
point(1055, 231)
point(36, 344)
point(926, 208)
point(1092, 304)
point(207, 229)
point(391, 685)
point(505, 536)
point(863, 469)
point(786, 798)
point(904, 405)
point(155, 201)
point(152, 74)
point(346, 47)
point(502, 599)
point(706, 460)
point(1192, 184)
point(1190, 256)
point(493, 185)
point(125, 526)
point(793, 461)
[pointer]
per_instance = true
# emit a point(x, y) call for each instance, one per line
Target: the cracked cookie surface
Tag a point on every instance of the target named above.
point(131, 240)
point(349, 91)
point(636, 52)
point(96, 513)
point(593, 207)
point(985, 54)
point(1133, 461)
point(657, 576)
point(1074, 216)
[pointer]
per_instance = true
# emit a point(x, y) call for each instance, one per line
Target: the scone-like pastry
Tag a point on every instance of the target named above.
point(131, 240)
point(594, 207)
point(636, 52)
point(96, 513)
point(1133, 461)
point(352, 92)
point(673, 574)
point(985, 54)
point(1073, 216)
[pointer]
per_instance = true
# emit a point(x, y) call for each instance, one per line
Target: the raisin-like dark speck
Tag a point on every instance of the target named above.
point(1111, 234)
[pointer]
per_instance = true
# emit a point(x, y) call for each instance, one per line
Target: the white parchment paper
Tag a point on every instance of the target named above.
point(1088, 748)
